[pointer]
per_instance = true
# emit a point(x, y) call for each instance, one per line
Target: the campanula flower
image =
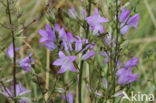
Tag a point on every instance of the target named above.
point(88, 55)
point(66, 63)
point(72, 13)
point(68, 39)
point(48, 38)
point(79, 43)
point(127, 21)
point(95, 22)
point(82, 13)
point(10, 51)
point(107, 56)
point(25, 64)
point(132, 62)
point(61, 31)
point(20, 91)
point(69, 97)
point(124, 74)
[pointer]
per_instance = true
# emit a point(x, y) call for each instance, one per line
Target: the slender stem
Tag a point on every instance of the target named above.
point(47, 74)
point(14, 52)
point(82, 62)
point(117, 47)
point(80, 82)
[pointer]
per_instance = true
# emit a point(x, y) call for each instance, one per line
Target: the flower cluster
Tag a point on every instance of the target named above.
point(124, 74)
point(127, 21)
point(20, 92)
point(67, 43)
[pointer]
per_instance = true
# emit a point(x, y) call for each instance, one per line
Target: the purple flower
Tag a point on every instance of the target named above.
point(123, 17)
point(132, 62)
point(25, 64)
point(104, 83)
point(48, 38)
point(20, 91)
point(79, 43)
point(88, 55)
point(72, 13)
point(125, 76)
point(127, 22)
point(107, 56)
point(68, 39)
point(83, 13)
point(95, 22)
point(61, 31)
point(69, 97)
point(10, 51)
point(66, 63)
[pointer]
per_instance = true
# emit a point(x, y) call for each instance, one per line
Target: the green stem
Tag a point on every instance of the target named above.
point(116, 48)
point(82, 62)
point(13, 41)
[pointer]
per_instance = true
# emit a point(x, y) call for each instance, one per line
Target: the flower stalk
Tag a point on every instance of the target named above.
point(14, 52)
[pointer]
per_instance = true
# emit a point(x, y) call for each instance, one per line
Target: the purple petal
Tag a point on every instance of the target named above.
point(88, 55)
point(133, 21)
point(124, 29)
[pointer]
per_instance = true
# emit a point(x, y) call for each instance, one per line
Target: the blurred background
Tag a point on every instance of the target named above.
point(31, 15)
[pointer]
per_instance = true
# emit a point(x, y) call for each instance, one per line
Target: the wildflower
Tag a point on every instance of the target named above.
point(124, 74)
point(88, 55)
point(68, 39)
point(83, 13)
point(61, 31)
point(79, 43)
point(69, 97)
point(107, 56)
point(48, 38)
point(95, 22)
point(25, 64)
point(104, 83)
point(66, 63)
point(20, 91)
point(10, 51)
point(72, 13)
point(127, 22)
point(132, 62)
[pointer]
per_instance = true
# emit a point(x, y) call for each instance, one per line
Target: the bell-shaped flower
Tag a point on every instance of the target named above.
point(66, 63)
point(10, 52)
point(95, 22)
point(20, 91)
point(26, 63)
point(127, 21)
point(48, 38)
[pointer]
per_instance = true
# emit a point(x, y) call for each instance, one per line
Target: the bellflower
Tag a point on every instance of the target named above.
point(88, 55)
point(69, 97)
point(10, 51)
point(127, 21)
point(72, 13)
point(66, 63)
point(48, 38)
point(125, 75)
point(20, 91)
point(68, 39)
point(83, 13)
point(132, 62)
point(95, 22)
point(79, 44)
point(61, 31)
point(107, 56)
point(25, 64)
